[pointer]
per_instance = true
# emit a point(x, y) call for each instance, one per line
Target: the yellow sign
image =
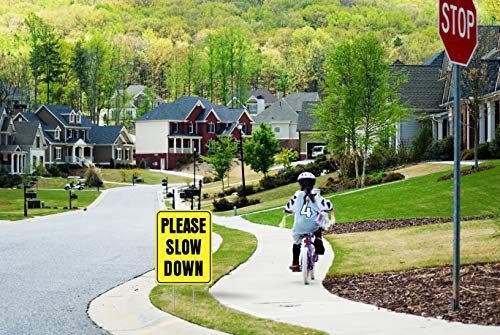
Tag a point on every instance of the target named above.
point(183, 247)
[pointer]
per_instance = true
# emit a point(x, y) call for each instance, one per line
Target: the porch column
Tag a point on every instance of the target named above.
point(440, 129)
point(182, 145)
point(482, 123)
point(92, 154)
point(491, 120)
point(467, 127)
point(11, 163)
point(18, 158)
point(73, 154)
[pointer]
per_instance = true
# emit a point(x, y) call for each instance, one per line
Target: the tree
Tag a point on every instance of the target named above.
point(261, 148)
point(476, 83)
point(147, 102)
point(45, 59)
point(286, 157)
point(220, 154)
point(363, 103)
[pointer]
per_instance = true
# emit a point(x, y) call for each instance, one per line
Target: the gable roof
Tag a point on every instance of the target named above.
point(59, 112)
point(286, 109)
point(262, 93)
point(29, 117)
point(306, 118)
point(423, 90)
point(131, 92)
point(105, 134)
point(26, 132)
point(180, 109)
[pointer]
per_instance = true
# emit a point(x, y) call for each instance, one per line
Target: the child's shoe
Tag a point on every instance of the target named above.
point(318, 246)
point(295, 268)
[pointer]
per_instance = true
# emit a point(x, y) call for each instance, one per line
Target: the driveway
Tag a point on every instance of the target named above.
point(52, 267)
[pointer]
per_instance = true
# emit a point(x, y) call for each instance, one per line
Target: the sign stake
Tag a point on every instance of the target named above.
point(455, 302)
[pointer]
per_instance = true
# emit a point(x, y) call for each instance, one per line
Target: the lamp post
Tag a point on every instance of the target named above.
point(240, 128)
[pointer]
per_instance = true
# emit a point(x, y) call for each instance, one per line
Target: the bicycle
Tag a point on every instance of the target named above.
point(308, 257)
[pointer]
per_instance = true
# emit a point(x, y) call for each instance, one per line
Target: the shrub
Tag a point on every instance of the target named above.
point(393, 176)
point(369, 181)
point(467, 154)
point(495, 144)
point(125, 174)
point(432, 152)
point(483, 151)
point(224, 205)
point(7, 180)
point(92, 176)
point(207, 180)
point(446, 148)
point(143, 164)
point(53, 170)
point(111, 163)
point(249, 190)
point(421, 143)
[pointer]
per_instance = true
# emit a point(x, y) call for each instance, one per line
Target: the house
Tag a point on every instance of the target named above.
point(283, 116)
point(306, 130)
point(72, 138)
point(422, 94)
point(489, 111)
point(13, 157)
point(172, 131)
point(126, 102)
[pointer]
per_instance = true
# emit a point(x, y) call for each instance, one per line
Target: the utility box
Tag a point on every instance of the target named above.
point(36, 204)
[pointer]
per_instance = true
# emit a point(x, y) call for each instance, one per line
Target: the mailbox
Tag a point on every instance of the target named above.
point(182, 195)
point(164, 182)
point(192, 192)
point(30, 195)
point(73, 196)
point(170, 195)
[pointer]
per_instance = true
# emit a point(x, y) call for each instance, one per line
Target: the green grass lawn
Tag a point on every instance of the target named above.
point(149, 177)
point(12, 207)
point(416, 197)
point(414, 247)
point(236, 248)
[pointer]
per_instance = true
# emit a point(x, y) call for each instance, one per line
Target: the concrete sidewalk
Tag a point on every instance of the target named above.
point(265, 287)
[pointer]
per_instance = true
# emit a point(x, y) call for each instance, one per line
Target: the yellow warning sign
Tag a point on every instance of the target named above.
point(183, 247)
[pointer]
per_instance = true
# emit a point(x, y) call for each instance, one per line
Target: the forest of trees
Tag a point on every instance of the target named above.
point(78, 52)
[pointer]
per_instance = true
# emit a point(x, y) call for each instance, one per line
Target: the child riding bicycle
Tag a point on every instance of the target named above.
point(310, 213)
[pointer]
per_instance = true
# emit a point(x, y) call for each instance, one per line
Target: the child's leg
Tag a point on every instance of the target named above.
point(318, 242)
point(295, 254)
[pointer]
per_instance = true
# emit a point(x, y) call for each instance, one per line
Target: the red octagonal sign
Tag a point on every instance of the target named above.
point(458, 29)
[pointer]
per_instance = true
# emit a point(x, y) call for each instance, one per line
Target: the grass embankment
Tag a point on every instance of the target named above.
point(12, 207)
point(149, 177)
point(416, 197)
point(414, 247)
point(236, 248)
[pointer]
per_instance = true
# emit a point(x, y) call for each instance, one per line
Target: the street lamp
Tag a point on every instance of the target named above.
point(240, 128)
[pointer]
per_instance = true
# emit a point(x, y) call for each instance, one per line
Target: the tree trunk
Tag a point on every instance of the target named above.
point(363, 173)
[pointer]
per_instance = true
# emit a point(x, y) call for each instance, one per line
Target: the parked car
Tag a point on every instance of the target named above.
point(78, 186)
point(317, 151)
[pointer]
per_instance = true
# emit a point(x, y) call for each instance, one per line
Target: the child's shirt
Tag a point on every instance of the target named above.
point(306, 212)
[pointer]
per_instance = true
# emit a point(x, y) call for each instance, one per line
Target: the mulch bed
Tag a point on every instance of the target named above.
point(467, 172)
point(372, 225)
point(428, 292)
point(425, 292)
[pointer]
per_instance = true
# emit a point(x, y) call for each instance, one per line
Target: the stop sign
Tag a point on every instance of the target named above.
point(458, 29)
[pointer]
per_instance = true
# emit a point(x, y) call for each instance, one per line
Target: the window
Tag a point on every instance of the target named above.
point(38, 141)
point(127, 154)
point(69, 133)
point(211, 127)
point(79, 118)
point(190, 128)
point(57, 134)
point(277, 129)
point(58, 153)
point(119, 153)
point(175, 127)
point(77, 133)
point(252, 108)
point(72, 117)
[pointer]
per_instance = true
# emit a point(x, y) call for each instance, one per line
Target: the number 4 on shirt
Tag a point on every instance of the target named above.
point(306, 211)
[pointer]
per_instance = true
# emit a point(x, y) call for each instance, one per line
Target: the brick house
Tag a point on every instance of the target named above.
point(170, 132)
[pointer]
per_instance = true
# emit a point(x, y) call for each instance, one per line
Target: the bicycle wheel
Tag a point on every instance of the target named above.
point(304, 256)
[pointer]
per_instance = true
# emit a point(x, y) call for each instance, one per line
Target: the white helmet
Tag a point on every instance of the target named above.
point(306, 179)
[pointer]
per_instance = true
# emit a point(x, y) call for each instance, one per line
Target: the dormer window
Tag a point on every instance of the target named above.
point(72, 117)
point(69, 133)
point(57, 134)
point(79, 117)
point(190, 128)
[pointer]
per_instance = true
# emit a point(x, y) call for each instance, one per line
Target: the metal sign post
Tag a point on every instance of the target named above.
point(457, 138)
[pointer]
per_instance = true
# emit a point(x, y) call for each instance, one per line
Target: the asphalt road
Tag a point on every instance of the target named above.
point(51, 268)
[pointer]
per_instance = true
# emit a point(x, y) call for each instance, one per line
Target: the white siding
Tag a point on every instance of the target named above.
point(151, 137)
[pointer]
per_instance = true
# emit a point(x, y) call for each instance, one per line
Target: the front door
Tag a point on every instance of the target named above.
point(162, 164)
